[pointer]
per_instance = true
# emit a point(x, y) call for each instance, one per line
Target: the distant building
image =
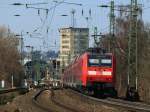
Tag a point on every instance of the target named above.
point(73, 42)
point(54, 68)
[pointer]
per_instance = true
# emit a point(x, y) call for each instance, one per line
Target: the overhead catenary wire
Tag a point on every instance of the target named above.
point(40, 29)
point(53, 14)
point(47, 16)
point(52, 17)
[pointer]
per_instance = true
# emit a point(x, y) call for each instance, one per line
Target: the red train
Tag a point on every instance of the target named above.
point(93, 72)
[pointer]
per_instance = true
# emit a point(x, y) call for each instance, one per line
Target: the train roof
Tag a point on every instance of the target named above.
point(94, 51)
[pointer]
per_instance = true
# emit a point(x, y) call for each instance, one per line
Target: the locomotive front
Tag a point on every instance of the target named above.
point(101, 73)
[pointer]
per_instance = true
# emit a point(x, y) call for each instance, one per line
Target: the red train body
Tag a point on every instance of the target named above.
point(93, 72)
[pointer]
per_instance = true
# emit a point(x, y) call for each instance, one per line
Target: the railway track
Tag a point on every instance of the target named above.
point(128, 105)
point(7, 95)
point(34, 99)
point(57, 103)
point(132, 106)
point(13, 90)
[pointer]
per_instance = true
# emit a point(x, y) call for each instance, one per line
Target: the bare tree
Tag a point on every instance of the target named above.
point(9, 57)
point(121, 52)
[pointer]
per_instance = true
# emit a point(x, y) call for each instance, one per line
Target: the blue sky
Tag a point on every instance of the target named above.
point(30, 21)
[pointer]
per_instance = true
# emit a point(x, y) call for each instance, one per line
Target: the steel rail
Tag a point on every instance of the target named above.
point(58, 103)
point(3, 91)
point(34, 100)
point(52, 98)
point(133, 106)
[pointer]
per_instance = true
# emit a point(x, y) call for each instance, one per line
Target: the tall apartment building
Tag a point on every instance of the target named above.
point(73, 42)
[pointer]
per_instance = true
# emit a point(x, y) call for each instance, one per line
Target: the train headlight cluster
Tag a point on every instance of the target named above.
point(107, 73)
point(92, 72)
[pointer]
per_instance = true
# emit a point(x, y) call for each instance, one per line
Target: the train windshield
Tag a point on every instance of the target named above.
point(95, 60)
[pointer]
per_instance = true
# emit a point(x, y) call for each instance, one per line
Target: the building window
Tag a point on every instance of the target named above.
point(64, 36)
point(65, 41)
point(65, 52)
point(67, 47)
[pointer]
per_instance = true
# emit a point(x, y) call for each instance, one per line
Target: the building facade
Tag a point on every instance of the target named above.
point(73, 42)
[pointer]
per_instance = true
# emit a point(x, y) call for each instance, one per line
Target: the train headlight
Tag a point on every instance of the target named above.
point(107, 73)
point(92, 72)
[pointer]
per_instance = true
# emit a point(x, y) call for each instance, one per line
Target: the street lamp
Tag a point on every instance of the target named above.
point(67, 3)
point(19, 4)
point(64, 15)
point(30, 5)
point(17, 15)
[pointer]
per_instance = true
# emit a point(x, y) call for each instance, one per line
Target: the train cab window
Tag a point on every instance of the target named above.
point(106, 62)
point(96, 60)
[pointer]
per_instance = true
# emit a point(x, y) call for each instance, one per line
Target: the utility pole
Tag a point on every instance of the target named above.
point(73, 18)
point(95, 36)
point(112, 19)
point(112, 25)
point(21, 39)
point(56, 74)
point(132, 90)
point(12, 81)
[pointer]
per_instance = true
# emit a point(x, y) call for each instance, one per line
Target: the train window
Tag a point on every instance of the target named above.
point(107, 61)
point(96, 60)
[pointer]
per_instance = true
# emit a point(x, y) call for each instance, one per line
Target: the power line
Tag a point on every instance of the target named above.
point(53, 13)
